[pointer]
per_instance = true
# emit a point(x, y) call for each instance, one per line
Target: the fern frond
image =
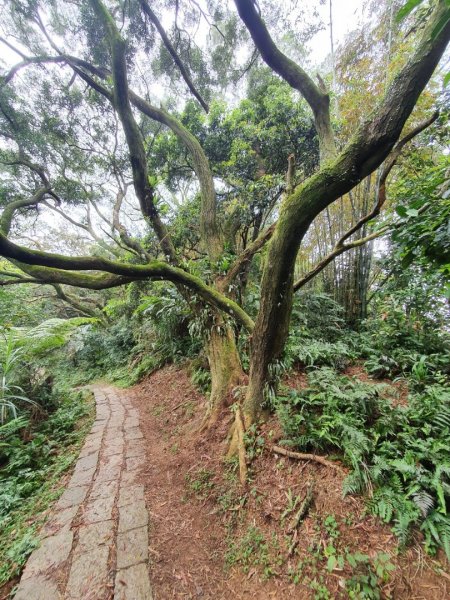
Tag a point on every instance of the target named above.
point(424, 502)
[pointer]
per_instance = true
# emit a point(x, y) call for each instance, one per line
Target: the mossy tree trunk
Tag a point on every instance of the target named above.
point(370, 145)
point(226, 369)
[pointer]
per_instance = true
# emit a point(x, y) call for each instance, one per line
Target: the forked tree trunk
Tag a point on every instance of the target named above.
point(272, 324)
point(366, 150)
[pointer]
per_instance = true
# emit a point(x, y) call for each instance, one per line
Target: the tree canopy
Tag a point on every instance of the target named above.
point(181, 139)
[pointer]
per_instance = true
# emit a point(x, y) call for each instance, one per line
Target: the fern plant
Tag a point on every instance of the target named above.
point(398, 455)
point(11, 395)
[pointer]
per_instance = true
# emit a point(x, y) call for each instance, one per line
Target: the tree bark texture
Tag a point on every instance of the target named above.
point(225, 367)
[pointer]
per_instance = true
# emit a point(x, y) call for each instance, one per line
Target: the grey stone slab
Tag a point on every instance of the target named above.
point(103, 414)
point(94, 438)
point(98, 428)
point(114, 443)
point(131, 422)
point(88, 449)
point(108, 473)
point(90, 446)
point(83, 464)
point(59, 521)
point(129, 478)
point(99, 509)
point(117, 418)
point(115, 432)
point(132, 516)
point(113, 439)
point(130, 494)
point(138, 445)
point(115, 460)
point(133, 584)
point(104, 489)
point(38, 588)
point(135, 451)
point(133, 434)
point(115, 426)
point(101, 417)
point(89, 575)
point(135, 463)
point(110, 450)
point(73, 496)
point(132, 547)
point(95, 534)
point(101, 421)
point(81, 477)
point(53, 551)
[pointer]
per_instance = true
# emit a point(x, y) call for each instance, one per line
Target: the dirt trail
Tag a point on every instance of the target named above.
point(198, 513)
point(95, 543)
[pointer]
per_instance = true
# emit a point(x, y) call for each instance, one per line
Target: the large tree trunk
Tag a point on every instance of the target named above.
point(226, 370)
point(272, 324)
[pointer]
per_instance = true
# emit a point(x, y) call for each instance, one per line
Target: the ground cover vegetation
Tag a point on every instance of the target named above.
point(176, 188)
point(43, 422)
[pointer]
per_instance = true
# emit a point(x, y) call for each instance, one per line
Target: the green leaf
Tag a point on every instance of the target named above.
point(332, 562)
point(447, 76)
point(441, 24)
point(401, 211)
point(407, 9)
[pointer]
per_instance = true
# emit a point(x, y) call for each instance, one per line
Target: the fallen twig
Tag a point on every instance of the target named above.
point(304, 508)
point(182, 404)
point(299, 517)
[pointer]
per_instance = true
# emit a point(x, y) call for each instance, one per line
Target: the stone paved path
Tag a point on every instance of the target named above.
point(95, 543)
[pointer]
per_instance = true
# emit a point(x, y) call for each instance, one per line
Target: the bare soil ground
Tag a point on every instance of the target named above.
point(211, 539)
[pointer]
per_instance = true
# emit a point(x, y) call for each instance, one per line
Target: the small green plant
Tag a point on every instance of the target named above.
point(363, 575)
point(367, 575)
point(32, 466)
point(200, 483)
point(231, 500)
point(254, 550)
point(331, 527)
point(291, 504)
point(201, 378)
point(381, 366)
point(157, 410)
point(254, 443)
point(320, 590)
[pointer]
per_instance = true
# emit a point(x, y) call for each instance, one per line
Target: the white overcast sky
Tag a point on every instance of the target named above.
point(346, 15)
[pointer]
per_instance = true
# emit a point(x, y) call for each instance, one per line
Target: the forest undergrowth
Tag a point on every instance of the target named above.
point(392, 446)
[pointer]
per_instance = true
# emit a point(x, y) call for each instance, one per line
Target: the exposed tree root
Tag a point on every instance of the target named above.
point(239, 428)
point(302, 456)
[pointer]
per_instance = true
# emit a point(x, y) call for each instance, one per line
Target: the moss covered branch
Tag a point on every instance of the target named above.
point(291, 72)
point(144, 191)
point(63, 269)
